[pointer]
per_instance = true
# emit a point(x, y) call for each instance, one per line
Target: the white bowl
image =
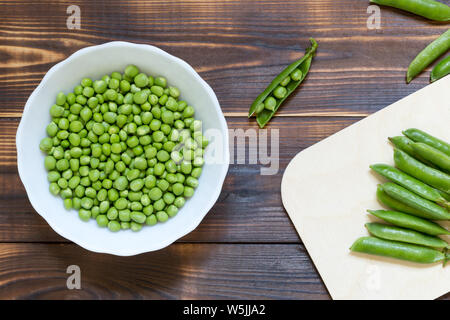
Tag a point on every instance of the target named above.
point(95, 62)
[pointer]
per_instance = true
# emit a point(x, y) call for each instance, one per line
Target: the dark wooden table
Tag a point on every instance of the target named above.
point(246, 247)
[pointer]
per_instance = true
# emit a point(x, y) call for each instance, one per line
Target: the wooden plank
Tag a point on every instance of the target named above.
point(238, 48)
point(249, 208)
point(181, 271)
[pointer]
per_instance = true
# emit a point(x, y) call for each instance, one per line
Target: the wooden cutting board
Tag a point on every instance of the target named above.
point(327, 188)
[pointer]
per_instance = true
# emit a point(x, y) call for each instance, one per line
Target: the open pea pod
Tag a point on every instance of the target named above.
point(303, 64)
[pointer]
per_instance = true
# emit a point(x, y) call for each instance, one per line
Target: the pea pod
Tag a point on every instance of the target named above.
point(424, 173)
point(395, 204)
point(411, 222)
point(405, 144)
point(429, 9)
point(420, 136)
point(398, 250)
point(444, 195)
point(410, 183)
point(433, 155)
point(440, 70)
point(264, 114)
point(387, 232)
point(427, 209)
point(435, 49)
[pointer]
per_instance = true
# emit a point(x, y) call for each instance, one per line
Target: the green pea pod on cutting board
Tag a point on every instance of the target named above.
point(440, 70)
point(266, 104)
point(434, 50)
point(395, 204)
point(433, 177)
point(429, 9)
point(405, 144)
point(408, 221)
point(388, 232)
point(398, 250)
point(433, 155)
point(427, 209)
point(410, 183)
point(420, 136)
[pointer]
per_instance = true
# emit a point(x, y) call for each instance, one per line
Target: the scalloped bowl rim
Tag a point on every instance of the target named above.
point(93, 246)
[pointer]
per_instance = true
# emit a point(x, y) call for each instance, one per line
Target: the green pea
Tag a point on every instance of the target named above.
point(140, 97)
point(162, 216)
point(76, 203)
point(121, 183)
point(62, 164)
point(140, 163)
point(102, 220)
point(168, 198)
point(137, 185)
point(134, 226)
point(138, 217)
point(56, 111)
point(157, 90)
point(52, 129)
point(131, 71)
point(125, 215)
point(54, 188)
point(188, 192)
point(46, 144)
point(114, 226)
point(196, 172)
point(163, 184)
point(87, 203)
point(155, 194)
point(270, 103)
point(86, 82)
point(141, 80)
point(172, 210)
point(112, 213)
point(124, 86)
point(84, 214)
point(161, 81)
point(95, 211)
point(296, 75)
point(150, 181)
point(68, 203)
point(113, 195)
point(88, 92)
point(186, 167)
point(125, 225)
point(179, 202)
point(285, 81)
point(280, 92)
point(151, 220)
point(192, 182)
point(188, 112)
point(104, 206)
point(49, 163)
point(121, 203)
point(174, 92)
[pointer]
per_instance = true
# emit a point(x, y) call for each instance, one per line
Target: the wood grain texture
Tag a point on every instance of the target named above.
point(246, 247)
point(237, 46)
point(182, 271)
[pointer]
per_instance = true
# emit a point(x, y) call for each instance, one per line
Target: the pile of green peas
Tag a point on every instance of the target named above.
point(123, 150)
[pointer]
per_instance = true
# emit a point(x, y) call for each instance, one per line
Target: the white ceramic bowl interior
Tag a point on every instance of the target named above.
point(95, 62)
